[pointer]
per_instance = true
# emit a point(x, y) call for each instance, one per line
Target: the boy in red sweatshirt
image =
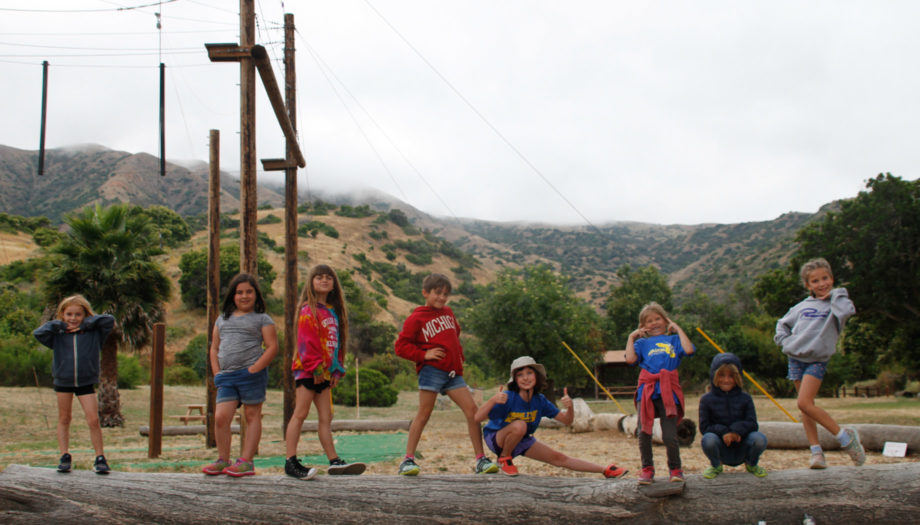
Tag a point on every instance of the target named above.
point(430, 338)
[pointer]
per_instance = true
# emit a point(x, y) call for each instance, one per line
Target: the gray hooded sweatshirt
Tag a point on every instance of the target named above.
point(809, 330)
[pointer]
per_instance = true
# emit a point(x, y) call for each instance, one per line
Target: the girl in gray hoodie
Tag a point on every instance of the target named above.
point(808, 334)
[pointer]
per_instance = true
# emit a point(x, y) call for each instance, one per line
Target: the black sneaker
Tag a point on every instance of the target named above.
point(100, 466)
point(293, 468)
point(338, 466)
point(65, 464)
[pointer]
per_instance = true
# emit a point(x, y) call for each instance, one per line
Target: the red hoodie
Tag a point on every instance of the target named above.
point(428, 328)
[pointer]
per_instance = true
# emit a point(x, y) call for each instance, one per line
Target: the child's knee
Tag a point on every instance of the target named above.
point(517, 428)
point(804, 404)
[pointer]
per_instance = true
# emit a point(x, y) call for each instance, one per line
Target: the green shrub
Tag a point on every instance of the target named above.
point(388, 364)
point(22, 361)
point(195, 355)
point(181, 375)
point(130, 372)
point(375, 389)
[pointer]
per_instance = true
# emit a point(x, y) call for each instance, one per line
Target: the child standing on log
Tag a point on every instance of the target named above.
point(728, 420)
point(515, 414)
point(240, 368)
point(659, 393)
point(76, 337)
point(318, 365)
point(430, 338)
point(808, 334)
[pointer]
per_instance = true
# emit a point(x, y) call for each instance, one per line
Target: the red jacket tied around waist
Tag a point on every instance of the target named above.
point(670, 385)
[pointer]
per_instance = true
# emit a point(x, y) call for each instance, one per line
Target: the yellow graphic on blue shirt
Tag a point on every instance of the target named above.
point(527, 417)
point(663, 348)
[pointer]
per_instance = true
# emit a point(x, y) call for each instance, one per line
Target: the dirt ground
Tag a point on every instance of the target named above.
point(28, 418)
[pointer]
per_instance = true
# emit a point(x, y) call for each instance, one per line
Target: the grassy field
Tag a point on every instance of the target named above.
point(28, 422)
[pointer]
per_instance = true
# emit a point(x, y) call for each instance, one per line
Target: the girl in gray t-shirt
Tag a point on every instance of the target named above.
point(240, 368)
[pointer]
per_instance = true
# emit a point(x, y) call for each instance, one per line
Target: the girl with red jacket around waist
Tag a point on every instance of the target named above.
point(659, 393)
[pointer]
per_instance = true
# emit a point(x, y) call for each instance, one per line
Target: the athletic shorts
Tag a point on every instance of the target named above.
point(309, 384)
point(436, 380)
point(76, 390)
point(799, 369)
point(241, 386)
point(489, 437)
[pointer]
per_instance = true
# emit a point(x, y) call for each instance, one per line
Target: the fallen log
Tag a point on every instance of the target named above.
point(370, 425)
point(878, 493)
point(781, 434)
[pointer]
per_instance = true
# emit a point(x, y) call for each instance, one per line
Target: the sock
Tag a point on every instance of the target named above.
point(843, 437)
point(480, 456)
point(816, 449)
point(410, 456)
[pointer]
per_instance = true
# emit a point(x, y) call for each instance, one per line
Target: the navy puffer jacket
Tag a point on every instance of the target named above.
point(723, 412)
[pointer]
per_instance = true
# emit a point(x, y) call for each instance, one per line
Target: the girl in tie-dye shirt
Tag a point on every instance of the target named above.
point(318, 365)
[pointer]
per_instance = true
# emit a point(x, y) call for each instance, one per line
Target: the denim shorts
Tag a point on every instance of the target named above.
point(798, 369)
point(436, 380)
point(241, 386)
point(526, 442)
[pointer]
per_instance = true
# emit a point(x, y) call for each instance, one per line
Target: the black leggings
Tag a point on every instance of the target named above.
point(668, 435)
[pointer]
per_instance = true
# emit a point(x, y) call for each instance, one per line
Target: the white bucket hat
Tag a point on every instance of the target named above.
point(526, 360)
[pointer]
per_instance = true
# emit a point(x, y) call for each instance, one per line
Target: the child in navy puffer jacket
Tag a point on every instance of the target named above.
point(728, 420)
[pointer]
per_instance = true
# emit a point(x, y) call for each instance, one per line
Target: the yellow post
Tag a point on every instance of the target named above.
point(751, 379)
point(594, 378)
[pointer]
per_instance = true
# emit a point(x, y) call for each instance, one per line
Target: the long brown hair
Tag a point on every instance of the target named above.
point(335, 299)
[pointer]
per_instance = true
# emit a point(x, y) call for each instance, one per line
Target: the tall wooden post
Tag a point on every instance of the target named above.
point(157, 359)
point(290, 225)
point(213, 276)
point(248, 196)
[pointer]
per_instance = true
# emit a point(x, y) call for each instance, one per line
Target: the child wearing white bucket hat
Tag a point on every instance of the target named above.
point(514, 414)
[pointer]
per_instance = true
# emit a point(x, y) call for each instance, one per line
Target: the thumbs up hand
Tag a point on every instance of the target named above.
point(500, 397)
point(566, 400)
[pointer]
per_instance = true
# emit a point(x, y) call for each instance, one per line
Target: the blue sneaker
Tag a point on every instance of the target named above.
point(65, 464)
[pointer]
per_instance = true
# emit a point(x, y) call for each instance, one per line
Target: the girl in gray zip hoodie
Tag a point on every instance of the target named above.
point(76, 337)
point(808, 334)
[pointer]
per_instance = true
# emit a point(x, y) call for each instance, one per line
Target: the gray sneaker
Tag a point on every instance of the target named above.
point(855, 449)
point(484, 465)
point(408, 468)
point(817, 461)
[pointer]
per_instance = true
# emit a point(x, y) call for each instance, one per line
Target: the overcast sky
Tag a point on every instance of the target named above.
point(664, 112)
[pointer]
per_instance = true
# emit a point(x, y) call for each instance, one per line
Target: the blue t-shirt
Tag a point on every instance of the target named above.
point(516, 408)
point(661, 352)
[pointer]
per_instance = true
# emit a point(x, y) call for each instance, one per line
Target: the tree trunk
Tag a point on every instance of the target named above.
point(783, 434)
point(871, 494)
point(109, 401)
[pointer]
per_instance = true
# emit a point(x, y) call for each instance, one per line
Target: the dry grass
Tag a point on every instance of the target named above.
point(27, 435)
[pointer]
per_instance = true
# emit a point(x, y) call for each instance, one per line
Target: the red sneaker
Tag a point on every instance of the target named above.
point(613, 471)
point(647, 476)
point(507, 466)
point(677, 474)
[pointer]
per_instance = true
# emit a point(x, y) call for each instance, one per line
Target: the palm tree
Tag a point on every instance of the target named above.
point(108, 257)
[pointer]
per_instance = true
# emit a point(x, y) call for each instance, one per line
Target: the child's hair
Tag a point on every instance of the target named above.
point(78, 300)
point(537, 387)
point(230, 305)
point(436, 281)
point(335, 298)
point(813, 265)
point(735, 373)
point(651, 308)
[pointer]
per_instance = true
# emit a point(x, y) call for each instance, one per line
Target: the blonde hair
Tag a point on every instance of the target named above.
point(812, 265)
point(734, 371)
point(649, 309)
point(78, 300)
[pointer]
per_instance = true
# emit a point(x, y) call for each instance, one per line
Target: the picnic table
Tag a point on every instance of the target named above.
point(196, 412)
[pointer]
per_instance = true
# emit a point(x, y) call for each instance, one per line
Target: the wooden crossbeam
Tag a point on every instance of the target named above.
point(227, 52)
point(277, 164)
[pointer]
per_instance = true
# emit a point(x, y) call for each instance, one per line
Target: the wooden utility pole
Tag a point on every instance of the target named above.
point(213, 276)
point(290, 224)
point(157, 359)
point(248, 196)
